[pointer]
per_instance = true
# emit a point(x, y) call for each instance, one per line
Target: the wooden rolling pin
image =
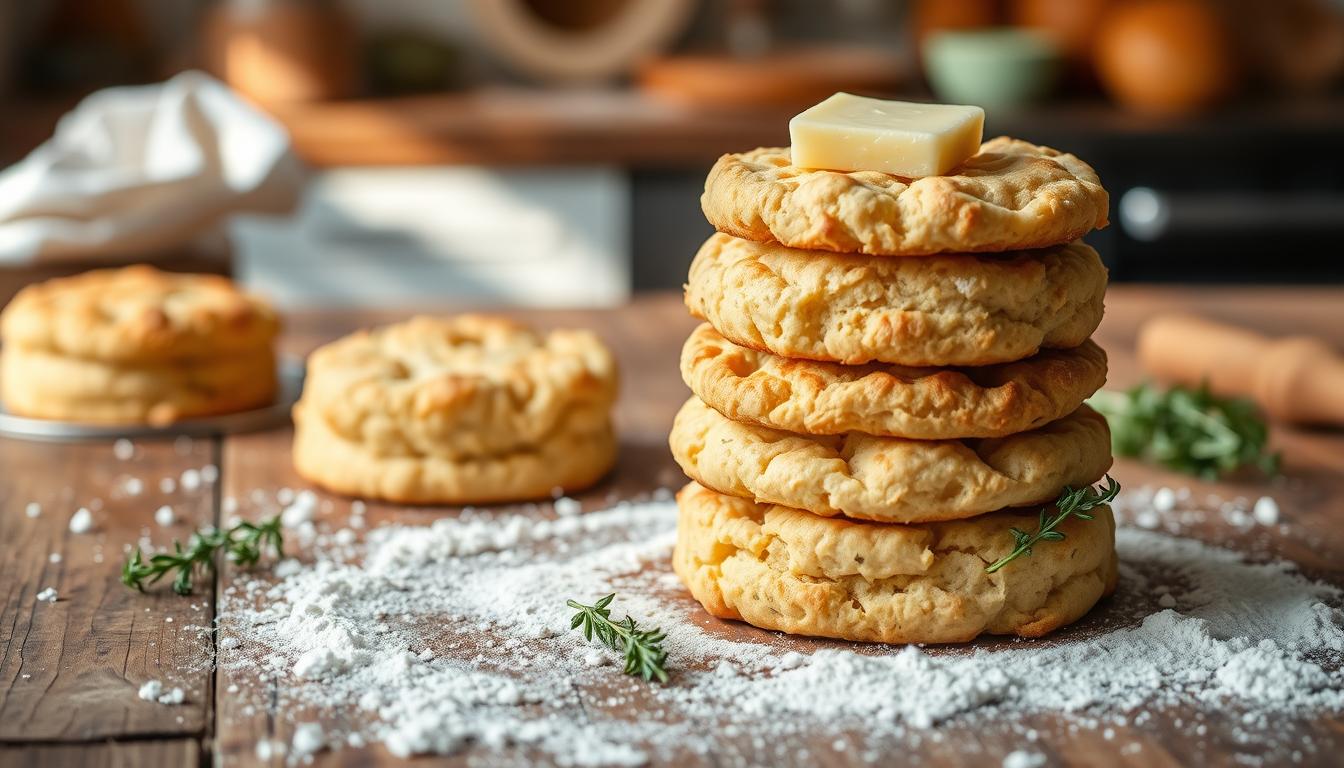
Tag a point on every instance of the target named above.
point(1295, 378)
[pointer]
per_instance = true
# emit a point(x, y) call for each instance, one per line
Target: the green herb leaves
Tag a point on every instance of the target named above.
point(1071, 503)
point(643, 649)
point(243, 544)
point(1188, 430)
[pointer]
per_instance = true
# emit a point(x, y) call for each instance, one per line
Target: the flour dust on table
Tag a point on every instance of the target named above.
point(454, 637)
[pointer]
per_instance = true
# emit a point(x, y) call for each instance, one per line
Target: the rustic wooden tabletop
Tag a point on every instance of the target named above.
point(69, 671)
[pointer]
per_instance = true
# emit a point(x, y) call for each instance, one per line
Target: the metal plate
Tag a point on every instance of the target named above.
point(289, 370)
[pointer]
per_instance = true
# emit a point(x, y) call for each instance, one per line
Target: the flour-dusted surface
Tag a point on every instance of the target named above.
point(72, 669)
point(453, 638)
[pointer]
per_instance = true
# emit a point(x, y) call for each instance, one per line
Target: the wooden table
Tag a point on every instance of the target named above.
point(69, 671)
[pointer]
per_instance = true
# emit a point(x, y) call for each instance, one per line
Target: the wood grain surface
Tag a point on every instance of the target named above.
point(69, 671)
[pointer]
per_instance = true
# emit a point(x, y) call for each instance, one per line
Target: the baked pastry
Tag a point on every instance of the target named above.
point(574, 458)
point(461, 410)
point(42, 384)
point(136, 345)
point(889, 479)
point(1012, 195)
point(821, 398)
point(938, 310)
point(784, 569)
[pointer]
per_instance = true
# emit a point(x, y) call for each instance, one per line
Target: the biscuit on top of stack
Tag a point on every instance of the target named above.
point(890, 380)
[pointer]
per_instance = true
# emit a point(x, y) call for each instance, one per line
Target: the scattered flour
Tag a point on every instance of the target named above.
point(1266, 511)
point(81, 521)
point(1177, 510)
point(153, 690)
point(47, 595)
point(164, 516)
point(1164, 500)
point(308, 739)
point(33, 509)
point(1023, 759)
point(455, 636)
point(299, 511)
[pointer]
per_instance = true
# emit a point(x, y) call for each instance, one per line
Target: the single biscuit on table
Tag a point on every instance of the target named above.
point(136, 345)
point(1012, 195)
point(889, 479)
point(961, 310)
point(822, 398)
point(785, 569)
point(464, 410)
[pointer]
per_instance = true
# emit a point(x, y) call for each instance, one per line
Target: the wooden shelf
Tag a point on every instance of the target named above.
point(629, 128)
point(526, 127)
point(625, 127)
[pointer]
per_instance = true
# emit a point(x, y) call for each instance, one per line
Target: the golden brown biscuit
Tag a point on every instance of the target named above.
point(571, 459)
point(939, 310)
point(784, 569)
point(889, 479)
point(465, 386)
point(457, 410)
point(925, 403)
point(1012, 195)
point(136, 345)
point(138, 314)
point(43, 385)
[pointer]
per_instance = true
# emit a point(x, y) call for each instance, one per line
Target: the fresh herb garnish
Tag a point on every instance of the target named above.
point(243, 544)
point(1071, 503)
point(1188, 430)
point(643, 649)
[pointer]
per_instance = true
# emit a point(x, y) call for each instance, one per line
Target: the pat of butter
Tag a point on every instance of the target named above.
point(853, 133)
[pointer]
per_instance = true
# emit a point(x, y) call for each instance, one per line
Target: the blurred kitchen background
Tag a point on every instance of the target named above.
point(552, 152)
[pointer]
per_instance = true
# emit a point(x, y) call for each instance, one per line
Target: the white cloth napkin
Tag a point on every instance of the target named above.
point(141, 169)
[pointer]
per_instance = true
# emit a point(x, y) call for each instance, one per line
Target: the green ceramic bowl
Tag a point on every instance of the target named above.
point(999, 67)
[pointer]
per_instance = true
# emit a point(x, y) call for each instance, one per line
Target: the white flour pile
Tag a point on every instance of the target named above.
point(456, 636)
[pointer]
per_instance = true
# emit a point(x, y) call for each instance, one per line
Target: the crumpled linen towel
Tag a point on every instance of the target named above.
point(142, 169)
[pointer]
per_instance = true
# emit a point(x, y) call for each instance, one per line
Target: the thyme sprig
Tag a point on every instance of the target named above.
point(1188, 430)
point(244, 544)
point(1071, 503)
point(643, 648)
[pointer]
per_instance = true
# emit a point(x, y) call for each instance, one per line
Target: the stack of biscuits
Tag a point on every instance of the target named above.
point(889, 382)
point(136, 346)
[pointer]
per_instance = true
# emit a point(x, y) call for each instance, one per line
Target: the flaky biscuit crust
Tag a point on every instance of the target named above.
point(43, 385)
point(138, 315)
point(940, 310)
point(889, 479)
point(460, 388)
point(821, 398)
point(569, 460)
point(1011, 195)
point(784, 569)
